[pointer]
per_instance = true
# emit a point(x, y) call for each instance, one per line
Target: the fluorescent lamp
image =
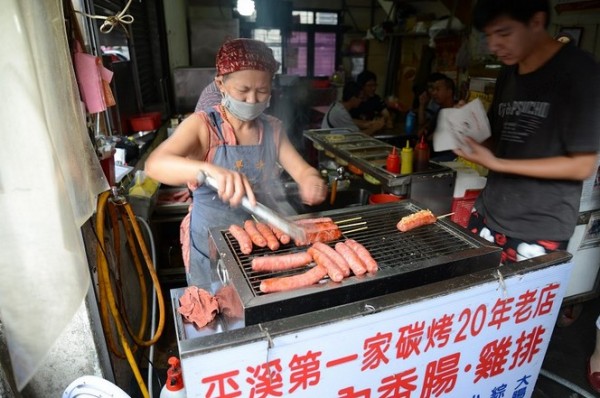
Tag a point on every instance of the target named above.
point(245, 7)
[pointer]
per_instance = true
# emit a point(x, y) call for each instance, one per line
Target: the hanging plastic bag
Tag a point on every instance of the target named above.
point(93, 79)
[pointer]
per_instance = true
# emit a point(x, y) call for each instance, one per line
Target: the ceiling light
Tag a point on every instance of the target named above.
point(245, 7)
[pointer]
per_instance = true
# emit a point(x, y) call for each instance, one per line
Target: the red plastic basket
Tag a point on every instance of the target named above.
point(461, 207)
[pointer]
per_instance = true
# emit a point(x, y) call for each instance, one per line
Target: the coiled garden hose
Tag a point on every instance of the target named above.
point(121, 213)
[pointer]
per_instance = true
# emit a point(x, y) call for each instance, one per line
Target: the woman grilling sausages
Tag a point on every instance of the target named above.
point(237, 145)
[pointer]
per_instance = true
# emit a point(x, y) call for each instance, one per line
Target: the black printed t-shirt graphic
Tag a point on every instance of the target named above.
point(553, 111)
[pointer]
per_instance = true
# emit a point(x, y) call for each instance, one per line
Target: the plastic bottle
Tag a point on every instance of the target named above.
point(339, 76)
point(421, 155)
point(173, 387)
point(392, 164)
point(411, 120)
point(407, 159)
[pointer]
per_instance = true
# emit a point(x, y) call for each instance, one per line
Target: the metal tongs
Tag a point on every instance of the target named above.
point(261, 211)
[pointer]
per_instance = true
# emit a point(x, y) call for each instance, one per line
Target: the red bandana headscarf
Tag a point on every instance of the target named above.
point(244, 54)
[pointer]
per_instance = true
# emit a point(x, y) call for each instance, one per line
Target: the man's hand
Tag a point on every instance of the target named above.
point(472, 151)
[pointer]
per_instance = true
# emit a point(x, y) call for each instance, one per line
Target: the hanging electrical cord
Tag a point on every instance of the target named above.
point(121, 214)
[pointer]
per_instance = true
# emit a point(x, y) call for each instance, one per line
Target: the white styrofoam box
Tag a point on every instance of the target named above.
point(466, 178)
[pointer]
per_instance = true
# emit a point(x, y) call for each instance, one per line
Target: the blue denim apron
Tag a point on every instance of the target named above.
point(258, 164)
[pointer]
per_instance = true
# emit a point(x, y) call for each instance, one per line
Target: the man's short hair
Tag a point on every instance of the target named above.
point(364, 77)
point(351, 89)
point(486, 11)
point(435, 76)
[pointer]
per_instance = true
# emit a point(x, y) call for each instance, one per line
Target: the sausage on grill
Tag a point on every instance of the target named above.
point(334, 272)
point(282, 236)
point(242, 237)
point(285, 283)
point(255, 234)
point(364, 255)
point(415, 220)
point(269, 235)
point(355, 263)
point(335, 256)
point(280, 262)
point(324, 230)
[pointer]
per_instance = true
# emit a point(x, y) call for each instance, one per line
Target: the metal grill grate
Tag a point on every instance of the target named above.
point(428, 254)
point(388, 246)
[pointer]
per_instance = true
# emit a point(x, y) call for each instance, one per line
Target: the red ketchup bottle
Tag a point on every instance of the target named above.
point(421, 155)
point(392, 163)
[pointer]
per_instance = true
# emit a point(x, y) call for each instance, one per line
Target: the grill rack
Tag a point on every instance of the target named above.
point(424, 255)
point(388, 246)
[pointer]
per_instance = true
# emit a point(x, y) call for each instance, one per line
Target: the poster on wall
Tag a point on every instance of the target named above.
point(590, 193)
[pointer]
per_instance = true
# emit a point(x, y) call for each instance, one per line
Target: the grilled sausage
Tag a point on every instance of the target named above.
point(285, 283)
point(364, 255)
point(319, 232)
point(282, 236)
point(254, 233)
point(280, 262)
point(418, 219)
point(242, 237)
point(335, 256)
point(355, 263)
point(334, 272)
point(267, 233)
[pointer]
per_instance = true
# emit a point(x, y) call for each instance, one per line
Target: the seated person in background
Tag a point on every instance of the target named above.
point(428, 108)
point(442, 93)
point(372, 106)
point(209, 97)
point(338, 115)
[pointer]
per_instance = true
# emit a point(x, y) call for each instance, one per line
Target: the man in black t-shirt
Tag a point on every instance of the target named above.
point(545, 132)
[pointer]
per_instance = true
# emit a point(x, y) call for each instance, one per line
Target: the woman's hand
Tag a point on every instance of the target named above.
point(232, 186)
point(313, 189)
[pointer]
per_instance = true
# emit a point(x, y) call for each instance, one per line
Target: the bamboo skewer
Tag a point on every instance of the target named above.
point(348, 220)
point(356, 230)
point(352, 225)
point(445, 215)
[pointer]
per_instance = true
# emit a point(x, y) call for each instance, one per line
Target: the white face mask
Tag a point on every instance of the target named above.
point(244, 111)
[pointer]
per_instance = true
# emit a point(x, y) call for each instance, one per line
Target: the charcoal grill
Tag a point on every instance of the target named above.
point(428, 254)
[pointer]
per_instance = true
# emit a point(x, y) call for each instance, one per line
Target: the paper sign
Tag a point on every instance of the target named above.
point(481, 341)
point(455, 123)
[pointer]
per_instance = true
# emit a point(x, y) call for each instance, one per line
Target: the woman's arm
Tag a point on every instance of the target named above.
point(574, 166)
point(177, 161)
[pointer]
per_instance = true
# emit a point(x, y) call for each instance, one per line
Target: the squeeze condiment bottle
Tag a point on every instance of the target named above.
point(421, 155)
point(392, 163)
point(407, 159)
